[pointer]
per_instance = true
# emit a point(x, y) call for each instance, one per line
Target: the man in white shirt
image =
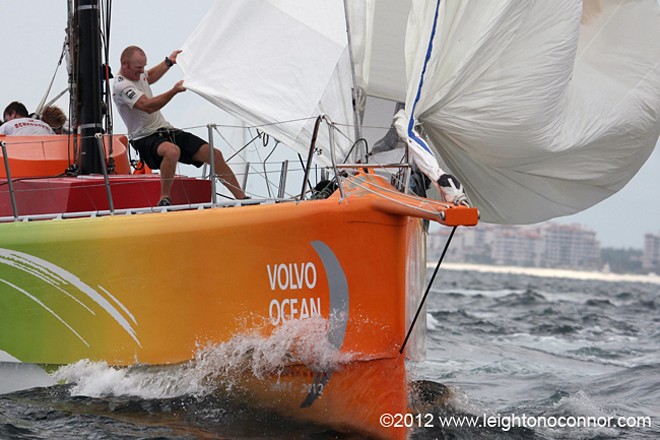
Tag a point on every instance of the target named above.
point(18, 122)
point(161, 145)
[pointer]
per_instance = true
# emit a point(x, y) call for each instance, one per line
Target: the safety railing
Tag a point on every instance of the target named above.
point(10, 183)
point(400, 179)
point(39, 189)
point(137, 211)
point(285, 174)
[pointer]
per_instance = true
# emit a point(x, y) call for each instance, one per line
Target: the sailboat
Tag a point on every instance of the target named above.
point(515, 98)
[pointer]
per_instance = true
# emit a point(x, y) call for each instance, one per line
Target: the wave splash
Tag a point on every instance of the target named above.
point(295, 342)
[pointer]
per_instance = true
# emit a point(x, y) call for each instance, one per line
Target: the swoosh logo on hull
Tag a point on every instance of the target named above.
point(339, 302)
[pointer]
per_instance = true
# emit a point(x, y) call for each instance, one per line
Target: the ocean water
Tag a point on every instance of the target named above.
point(519, 356)
point(546, 348)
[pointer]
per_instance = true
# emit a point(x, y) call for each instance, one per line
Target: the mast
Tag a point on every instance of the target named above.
point(89, 85)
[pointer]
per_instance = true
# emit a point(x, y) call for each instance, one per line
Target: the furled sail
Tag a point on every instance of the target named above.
point(542, 109)
point(277, 64)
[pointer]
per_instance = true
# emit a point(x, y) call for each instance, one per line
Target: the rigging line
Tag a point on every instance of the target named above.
point(365, 126)
point(256, 150)
point(265, 137)
point(58, 96)
point(20, 179)
point(372, 157)
point(259, 173)
point(366, 145)
point(252, 167)
point(40, 140)
point(428, 289)
point(344, 135)
point(229, 186)
point(264, 166)
point(251, 126)
point(409, 196)
point(106, 10)
point(40, 107)
point(184, 187)
point(426, 211)
point(262, 161)
point(236, 152)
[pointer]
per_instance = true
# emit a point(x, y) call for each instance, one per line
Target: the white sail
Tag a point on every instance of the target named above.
point(378, 33)
point(542, 109)
point(275, 63)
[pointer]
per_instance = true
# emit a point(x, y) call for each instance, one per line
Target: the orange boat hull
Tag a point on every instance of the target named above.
point(156, 288)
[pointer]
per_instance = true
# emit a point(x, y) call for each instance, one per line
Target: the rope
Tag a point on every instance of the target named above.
point(250, 126)
point(260, 134)
point(427, 211)
point(428, 289)
point(40, 107)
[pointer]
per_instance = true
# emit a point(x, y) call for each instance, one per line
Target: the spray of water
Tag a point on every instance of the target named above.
point(295, 342)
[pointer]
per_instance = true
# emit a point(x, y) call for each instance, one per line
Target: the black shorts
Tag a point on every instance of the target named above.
point(188, 143)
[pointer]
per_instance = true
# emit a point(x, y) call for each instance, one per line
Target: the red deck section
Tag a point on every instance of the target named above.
point(88, 193)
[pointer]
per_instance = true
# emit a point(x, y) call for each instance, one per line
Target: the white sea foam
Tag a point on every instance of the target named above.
point(580, 404)
point(296, 342)
point(431, 322)
point(98, 379)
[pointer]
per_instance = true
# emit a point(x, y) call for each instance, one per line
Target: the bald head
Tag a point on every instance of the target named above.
point(129, 52)
point(133, 60)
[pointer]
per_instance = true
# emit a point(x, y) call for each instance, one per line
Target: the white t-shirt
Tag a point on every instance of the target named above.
point(125, 93)
point(25, 127)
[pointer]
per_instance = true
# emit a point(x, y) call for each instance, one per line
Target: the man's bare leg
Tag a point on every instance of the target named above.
point(170, 154)
point(222, 170)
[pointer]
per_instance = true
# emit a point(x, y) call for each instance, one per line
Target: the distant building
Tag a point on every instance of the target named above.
point(651, 255)
point(544, 245)
point(517, 246)
point(570, 246)
point(469, 245)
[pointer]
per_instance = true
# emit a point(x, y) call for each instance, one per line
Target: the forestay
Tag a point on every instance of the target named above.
point(277, 64)
point(541, 108)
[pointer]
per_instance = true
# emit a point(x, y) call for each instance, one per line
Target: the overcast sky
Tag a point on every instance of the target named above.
point(32, 35)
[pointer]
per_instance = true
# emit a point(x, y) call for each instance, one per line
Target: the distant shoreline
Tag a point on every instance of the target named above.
point(553, 273)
